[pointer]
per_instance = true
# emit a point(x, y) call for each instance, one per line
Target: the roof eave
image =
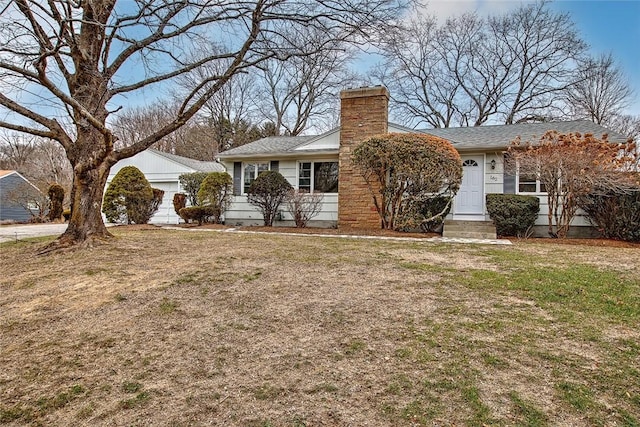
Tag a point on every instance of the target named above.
point(278, 155)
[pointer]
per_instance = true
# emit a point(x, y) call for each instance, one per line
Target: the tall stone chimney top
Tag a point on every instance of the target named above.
point(362, 92)
point(364, 112)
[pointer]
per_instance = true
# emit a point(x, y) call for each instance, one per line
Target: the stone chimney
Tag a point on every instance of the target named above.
point(364, 112)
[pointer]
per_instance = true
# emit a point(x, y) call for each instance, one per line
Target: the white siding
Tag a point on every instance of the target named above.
point(493, 178)
point(241, 212)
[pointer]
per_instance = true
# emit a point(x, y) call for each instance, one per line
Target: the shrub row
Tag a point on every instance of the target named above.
point(197, 213)
point(513, 214)
point(616, 216)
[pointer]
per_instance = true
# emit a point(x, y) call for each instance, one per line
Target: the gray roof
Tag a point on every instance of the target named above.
point(197, 165)
point(498, 137)
point(270, 145)
point(479, 138)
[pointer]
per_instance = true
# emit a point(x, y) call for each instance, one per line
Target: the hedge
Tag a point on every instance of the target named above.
point(513, 214)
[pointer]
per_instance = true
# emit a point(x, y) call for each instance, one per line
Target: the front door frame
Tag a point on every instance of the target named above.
point(473, 216)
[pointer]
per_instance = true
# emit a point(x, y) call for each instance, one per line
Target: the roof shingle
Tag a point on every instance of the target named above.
point(198, 165)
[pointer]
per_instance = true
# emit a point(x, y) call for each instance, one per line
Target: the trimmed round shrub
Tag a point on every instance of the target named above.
point(128, 198)
point(179, 202)
point(196, 213)
point(513, 214)
point(215, 191)
point(56, 198)
point(403, 171)
point(267, 192)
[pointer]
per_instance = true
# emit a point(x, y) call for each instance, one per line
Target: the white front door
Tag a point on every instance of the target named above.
point(470, 197)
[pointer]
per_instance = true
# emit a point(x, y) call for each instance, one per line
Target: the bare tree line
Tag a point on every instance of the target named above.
point(277, 97)
point(527, 65)
point(40, 160)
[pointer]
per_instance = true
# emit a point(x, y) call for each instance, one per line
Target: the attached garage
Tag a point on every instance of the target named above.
point(162, 171)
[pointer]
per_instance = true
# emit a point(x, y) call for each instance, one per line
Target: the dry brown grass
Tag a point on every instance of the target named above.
point(208, 328)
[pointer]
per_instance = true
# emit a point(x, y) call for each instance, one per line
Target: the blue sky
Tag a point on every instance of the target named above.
point(611, 26)
point(606, 25)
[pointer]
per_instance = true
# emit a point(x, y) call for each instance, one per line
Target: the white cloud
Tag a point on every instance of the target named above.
point(443, 9)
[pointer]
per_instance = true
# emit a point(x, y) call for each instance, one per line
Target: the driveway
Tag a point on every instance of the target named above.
point(12, 232)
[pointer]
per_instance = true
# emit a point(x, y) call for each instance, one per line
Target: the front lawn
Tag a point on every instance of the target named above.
point(170, 327)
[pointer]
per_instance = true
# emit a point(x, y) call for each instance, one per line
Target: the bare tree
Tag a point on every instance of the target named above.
point(29, 198)
point(225, 120)
point(543, 47)
point(511, 68)
point(475, 60)
point(303, 206)
point(421, 89)
point(40, 160)
point(16, 150)
point(627, 125)
point(601, 91)
point(302, 90)
point(80, 60)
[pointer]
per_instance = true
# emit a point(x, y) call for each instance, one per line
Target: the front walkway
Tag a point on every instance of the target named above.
point(350, 236)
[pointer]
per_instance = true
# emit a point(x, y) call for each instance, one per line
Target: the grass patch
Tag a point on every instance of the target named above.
point(267, 392)
point(319, 331)
point(324, 388)
point(140, 399)
point(131, 387)
point(168, 306)
point(577, 395)
point(529, 415)
point(62, 399)
point(354, 346)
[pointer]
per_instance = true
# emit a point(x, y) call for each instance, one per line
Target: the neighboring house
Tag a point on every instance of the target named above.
point(16, 193)
point(322, 163)
point(162, 171)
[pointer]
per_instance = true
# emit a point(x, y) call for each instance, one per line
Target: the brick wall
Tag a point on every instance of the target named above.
point(364, 112)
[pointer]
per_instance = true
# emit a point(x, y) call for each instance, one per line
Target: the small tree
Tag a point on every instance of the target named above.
point(303, 206)
point(128, 197)
point(155, 203)
point(267, 192)
point(403, 171)
point(215, 191)
point(190, 183)
point(179, 202)
point(56, 198)
point(571, 166)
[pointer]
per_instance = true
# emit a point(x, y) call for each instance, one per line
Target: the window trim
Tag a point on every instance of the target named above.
point(312, 177)
point(537, 182)
point(244, 166)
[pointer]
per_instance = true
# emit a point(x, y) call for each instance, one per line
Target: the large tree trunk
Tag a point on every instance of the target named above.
point(86, 226)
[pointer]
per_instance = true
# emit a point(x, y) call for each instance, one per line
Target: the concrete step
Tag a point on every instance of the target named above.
point(469, 229)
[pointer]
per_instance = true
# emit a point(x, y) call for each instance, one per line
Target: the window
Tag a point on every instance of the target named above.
point(528, 183)
point(470, 162)
point(251, 172)
point(318, 177)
